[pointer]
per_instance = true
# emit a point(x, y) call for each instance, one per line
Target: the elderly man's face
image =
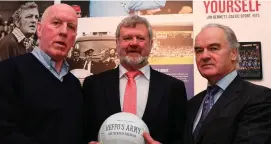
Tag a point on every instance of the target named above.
point(29, 20)
point(57, 32)
point(214, 57)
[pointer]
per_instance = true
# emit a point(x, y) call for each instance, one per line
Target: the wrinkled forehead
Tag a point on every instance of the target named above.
point(137, 29)
point(133, 25)
point(63, 18)
point(55, 16)
point(63, 12)
point(210, 35)
point(31, 11)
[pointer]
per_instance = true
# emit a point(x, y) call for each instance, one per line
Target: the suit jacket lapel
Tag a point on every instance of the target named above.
point(155, 95)
point(194, 105)
point(112, 91)
point(228, 96)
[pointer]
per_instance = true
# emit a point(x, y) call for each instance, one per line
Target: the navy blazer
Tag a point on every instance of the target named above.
point(242, 115)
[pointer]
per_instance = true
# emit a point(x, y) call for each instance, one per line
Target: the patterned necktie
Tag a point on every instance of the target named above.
point(207, 106)
point(129, 104)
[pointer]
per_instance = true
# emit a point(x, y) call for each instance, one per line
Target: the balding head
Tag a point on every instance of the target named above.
point(51, 9)
point(57, 31)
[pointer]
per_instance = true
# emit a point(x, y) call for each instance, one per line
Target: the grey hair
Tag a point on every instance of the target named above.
point(229, 34)
point(132, 21)
point(17, 14)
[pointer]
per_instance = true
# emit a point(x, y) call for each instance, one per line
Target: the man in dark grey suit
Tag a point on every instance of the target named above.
point(231, 111)
point(160, 100)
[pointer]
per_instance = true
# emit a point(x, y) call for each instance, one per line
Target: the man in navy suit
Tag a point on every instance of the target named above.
point(161, 99)
point(231, 111)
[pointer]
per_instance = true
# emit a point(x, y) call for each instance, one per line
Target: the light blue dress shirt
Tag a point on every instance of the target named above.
point(223, 84)
point(121, 8)
point(50, 64)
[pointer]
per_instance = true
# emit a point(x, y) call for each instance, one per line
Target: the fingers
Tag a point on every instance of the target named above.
point(149, 139)
point(93, 142)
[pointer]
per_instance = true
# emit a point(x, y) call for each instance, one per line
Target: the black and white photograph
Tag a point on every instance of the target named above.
point(18, 26)
point(93, 54)
point(250, 62)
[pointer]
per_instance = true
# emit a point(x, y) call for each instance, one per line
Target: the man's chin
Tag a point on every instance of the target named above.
point(58, 55)
point(134, 61)
point(30, 33)
point(208, 74)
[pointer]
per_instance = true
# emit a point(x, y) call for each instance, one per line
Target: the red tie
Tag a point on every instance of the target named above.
point(129, 104)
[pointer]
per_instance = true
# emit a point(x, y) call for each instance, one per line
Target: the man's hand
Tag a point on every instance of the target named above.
point(146, 136)
point(149, 139)
point(94, 142)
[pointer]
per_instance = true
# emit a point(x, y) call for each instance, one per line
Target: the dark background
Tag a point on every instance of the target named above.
point(83, 4)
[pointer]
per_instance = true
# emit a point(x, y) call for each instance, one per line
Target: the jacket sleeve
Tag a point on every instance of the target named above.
point(180, 102)
point(8, 48)
point(255, 120)
point(10, 116)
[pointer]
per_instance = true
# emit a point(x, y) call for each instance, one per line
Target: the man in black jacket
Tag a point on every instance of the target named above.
point(160, 100)
point(231, 110)
point(41, 101)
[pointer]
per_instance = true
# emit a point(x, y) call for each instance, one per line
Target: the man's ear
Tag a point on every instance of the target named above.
point(234, 54)
point(39, 29)
point(151, 43)
point(17, 24)
point(117, 44)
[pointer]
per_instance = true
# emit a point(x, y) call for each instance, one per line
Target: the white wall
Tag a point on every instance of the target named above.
point(246, 29)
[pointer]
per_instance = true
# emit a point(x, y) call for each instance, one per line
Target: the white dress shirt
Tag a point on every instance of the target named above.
point(142, 86)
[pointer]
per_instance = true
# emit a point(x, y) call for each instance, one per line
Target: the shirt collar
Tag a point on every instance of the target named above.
point(48, 62)
point(145, 71)
point(225, 81)
point(18, 34)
